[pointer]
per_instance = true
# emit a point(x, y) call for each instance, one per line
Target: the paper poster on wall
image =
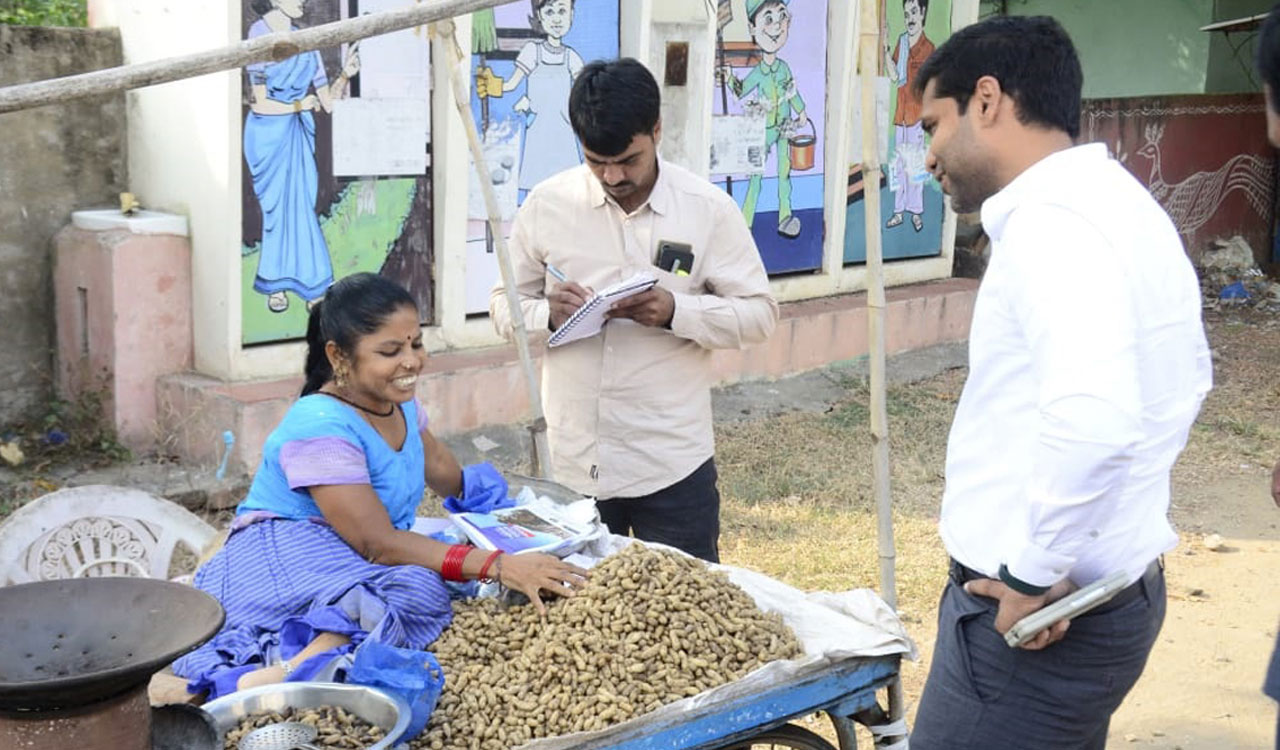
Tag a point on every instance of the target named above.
point(911, 202)
point(385, 130)
point(772, 65)
point(738, 144)
point(336, 175)
point(380, 136)
point(525, 56)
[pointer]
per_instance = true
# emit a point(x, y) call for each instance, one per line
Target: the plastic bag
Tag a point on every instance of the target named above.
point(414, 676)
point(483, 490)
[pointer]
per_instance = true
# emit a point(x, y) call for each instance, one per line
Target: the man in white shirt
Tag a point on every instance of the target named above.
point(1088, 364)
point(629, 409)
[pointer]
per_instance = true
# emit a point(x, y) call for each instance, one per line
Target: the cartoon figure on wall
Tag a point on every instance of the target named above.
point(911, 203)
point(525, 57)
point(768, 125)
point(336, 176)
point(772, 82)
point(547, 66)
point(280, 150)
point(903, 63)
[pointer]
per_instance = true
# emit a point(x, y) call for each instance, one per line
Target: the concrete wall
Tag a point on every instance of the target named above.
point(1204, 158)
point(1153, 47)
point(1231, 54)
point(1130, 47)
point(52, 160)
point(184, 151)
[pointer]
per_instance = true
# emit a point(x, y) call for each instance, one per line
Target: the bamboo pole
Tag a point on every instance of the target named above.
point(268, 47)
point(869, 54)
point(444, 33)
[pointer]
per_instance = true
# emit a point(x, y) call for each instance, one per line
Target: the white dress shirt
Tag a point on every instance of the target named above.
point(629, 410)
point(1088, 364)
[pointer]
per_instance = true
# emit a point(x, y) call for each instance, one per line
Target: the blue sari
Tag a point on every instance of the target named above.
point(280, 151)
point(285, 576)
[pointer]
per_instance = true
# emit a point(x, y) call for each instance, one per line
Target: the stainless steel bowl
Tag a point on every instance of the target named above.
point(374, 706)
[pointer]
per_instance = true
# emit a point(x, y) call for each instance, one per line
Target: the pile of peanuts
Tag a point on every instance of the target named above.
point(651, 627)
point(336, 727)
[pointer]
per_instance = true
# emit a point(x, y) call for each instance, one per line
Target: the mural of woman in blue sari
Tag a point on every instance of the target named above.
point(280, 150)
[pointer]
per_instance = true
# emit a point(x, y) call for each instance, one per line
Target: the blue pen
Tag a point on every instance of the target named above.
point(556, 272)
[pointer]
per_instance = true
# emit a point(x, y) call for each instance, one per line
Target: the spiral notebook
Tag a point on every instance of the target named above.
point(587, 320)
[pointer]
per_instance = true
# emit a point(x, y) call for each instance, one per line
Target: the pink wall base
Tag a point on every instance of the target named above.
point(122, 303)
point(467, 390)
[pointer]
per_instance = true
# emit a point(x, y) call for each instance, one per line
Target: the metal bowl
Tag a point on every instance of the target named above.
point(374, 706)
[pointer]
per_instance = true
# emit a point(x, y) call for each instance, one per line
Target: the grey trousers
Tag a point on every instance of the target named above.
point(983, 695)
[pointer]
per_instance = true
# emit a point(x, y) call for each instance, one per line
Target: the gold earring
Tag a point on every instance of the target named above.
point(340, 377)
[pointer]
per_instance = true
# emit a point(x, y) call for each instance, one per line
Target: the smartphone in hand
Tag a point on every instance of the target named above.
point(1072, 605)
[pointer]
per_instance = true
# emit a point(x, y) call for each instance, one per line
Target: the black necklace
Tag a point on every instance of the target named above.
point(390, 409)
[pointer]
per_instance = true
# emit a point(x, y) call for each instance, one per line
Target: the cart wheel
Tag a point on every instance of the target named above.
point(784, 736)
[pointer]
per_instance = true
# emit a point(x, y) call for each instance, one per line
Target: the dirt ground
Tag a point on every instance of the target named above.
point(797, 506)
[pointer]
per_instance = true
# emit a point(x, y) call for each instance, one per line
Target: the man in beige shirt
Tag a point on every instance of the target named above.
point(629, 410)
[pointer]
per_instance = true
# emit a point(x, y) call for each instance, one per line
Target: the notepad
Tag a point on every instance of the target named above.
point(587, 320)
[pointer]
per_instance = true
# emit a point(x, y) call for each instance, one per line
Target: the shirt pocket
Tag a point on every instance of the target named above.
point(679, 283)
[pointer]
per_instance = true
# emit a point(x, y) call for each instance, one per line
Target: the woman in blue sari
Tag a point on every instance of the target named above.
point(321, 557)
point(280, 150)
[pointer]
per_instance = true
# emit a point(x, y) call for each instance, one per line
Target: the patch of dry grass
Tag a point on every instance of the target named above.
point(798, 505)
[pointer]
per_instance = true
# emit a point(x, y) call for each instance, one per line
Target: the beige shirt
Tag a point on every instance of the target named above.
point(629, 411)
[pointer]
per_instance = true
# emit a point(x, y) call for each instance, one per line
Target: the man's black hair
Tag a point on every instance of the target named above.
point(1268, 59)
point(1031, 56)
point(924, 7)
point(611, 103)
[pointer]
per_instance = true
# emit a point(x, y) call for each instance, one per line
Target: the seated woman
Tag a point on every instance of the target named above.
point(320, 556)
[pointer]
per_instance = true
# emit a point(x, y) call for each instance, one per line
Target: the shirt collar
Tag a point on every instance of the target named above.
point(1048, 174)
point(659, 197)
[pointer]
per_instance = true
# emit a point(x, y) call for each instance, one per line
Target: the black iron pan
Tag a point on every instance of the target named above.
point(72, 643)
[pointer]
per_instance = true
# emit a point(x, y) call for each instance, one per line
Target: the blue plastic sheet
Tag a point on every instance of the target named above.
point(414, 676)
point(1234, 291)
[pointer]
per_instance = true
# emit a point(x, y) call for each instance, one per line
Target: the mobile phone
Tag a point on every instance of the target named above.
point(1072, 605)
point(675, 257)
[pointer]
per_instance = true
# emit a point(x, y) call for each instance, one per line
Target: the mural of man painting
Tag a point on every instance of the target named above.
point(903, 63)
point(769, 23)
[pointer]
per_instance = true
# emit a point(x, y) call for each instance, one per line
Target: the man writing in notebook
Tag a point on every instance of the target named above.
point(629, 409)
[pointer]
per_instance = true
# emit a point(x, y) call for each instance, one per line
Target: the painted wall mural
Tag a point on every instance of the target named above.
point(769, 126)
point(336, 175)
point(525, 57)
point(911, 200)
point(1205, 159)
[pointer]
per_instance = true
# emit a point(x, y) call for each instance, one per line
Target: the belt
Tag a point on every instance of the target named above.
point(961, 574)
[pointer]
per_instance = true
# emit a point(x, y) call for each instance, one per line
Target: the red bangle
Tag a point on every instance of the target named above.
point(451, 568)
point(484, 569)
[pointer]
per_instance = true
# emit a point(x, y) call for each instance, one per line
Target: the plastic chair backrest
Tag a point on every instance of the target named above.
point(96, 530)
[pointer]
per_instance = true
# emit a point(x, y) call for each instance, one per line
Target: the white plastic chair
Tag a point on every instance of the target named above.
point(94, 531)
